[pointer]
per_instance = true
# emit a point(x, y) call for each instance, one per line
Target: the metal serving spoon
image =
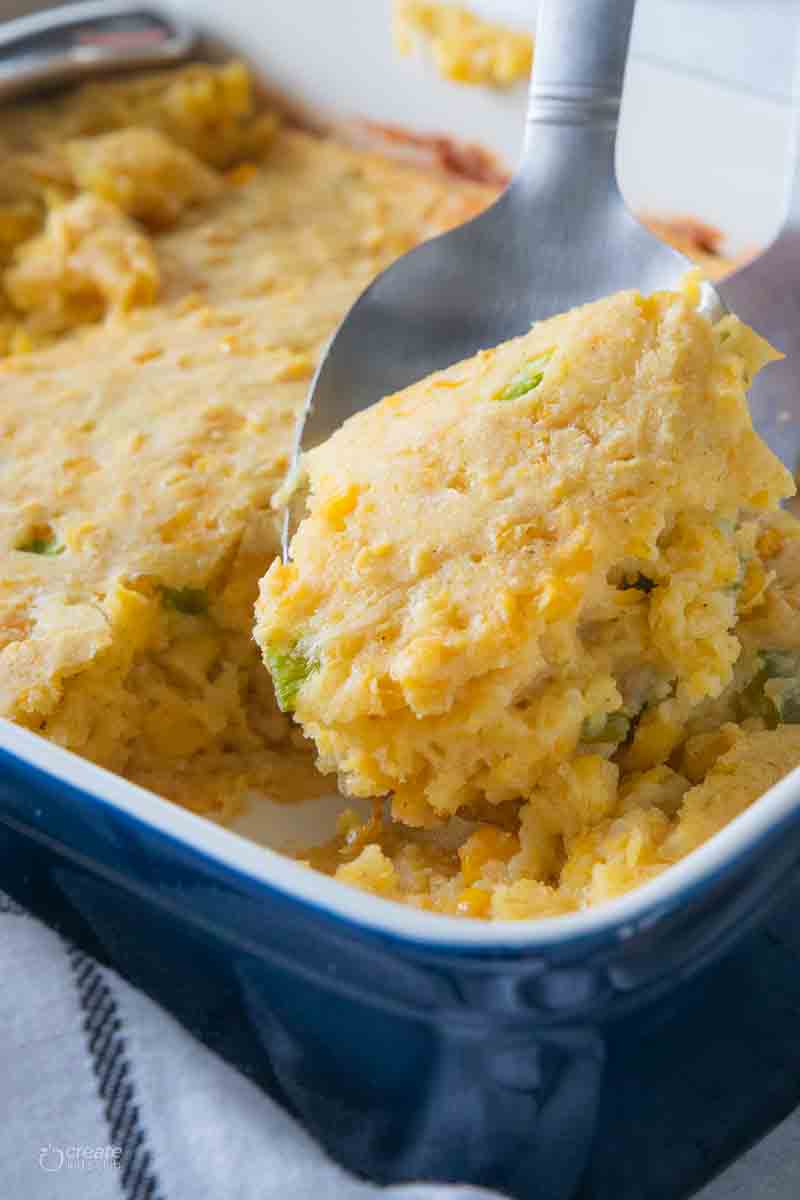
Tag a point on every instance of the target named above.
point(766, 294)
point(560, 235)
point(74, 41)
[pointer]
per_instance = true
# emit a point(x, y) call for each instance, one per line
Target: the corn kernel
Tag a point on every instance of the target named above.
point(558, 598)
point(770, 543)
point(753, 586)
point(241, 174)
point(299, 366)
point(702, 751)
point(22, 342)
point(144, 356)
point(370, 555)
point(578, 557)
point(336, 510)
point(655, 739)
point(473, 902)
point(485, 845)
point(172, 528)
point(629, 597)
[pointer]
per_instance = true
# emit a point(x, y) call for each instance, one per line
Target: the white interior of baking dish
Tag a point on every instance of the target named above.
point(702, 133)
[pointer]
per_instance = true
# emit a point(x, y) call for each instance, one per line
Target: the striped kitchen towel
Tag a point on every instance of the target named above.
point(104, 1097)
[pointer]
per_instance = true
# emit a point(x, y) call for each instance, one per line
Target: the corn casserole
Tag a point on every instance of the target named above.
point(172, 261)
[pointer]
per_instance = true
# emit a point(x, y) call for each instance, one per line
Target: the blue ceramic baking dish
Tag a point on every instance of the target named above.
point(415, 1045)
point(622, 1054)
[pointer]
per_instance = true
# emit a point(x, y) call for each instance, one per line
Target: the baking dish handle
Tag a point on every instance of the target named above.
point(79, 40)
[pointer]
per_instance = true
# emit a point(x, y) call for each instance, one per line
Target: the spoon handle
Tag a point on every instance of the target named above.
point(581, 50)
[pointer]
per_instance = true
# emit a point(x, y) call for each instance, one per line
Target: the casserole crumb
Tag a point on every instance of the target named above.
point(465, 48)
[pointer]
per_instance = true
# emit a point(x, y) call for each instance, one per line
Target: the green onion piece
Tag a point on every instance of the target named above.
point(526, 379)
point(783, 664)
point(781, 704)
point(193, 602)
point(753, 703)
point(289, 669)
point(788, 707)
point(43, 545)
point(780, 664)
point(606, 727)
point(641, 583)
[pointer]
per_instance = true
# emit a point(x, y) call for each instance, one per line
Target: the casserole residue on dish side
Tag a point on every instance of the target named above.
point(172, 261)
point(465, 48)
point(548, 589)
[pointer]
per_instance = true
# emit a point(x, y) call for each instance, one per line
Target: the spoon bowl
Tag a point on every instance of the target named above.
point(526, 258)
point(560, 236)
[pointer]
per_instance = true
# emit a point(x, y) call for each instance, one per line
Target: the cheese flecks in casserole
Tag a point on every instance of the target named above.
point(185, 261)
point(547, 589)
